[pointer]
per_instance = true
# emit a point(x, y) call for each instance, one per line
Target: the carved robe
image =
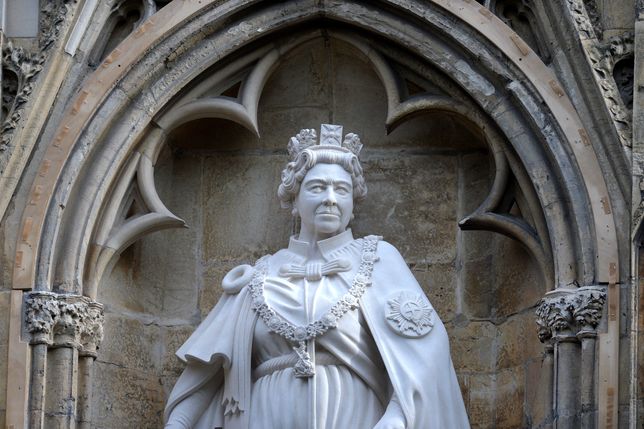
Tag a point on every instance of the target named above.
point(364, 366)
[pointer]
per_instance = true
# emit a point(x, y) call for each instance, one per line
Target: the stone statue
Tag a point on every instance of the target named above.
point(331, 332)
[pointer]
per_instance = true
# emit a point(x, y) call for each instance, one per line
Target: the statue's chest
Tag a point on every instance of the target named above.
point(302, 301)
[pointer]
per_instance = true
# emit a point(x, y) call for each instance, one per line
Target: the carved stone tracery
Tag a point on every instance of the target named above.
point(24, 66)
point(61, 320)
point(601, 59)
point(570, 312)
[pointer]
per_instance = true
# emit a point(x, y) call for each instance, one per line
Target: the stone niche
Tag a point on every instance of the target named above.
point(423, 178)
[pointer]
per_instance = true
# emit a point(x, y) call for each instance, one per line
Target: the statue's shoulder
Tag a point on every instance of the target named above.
point(384, 248)
point(240, 276)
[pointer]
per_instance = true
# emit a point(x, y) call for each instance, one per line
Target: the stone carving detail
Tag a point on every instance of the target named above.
point(621, 50)
point(580, 16)
point(24, 66)
point(595, 17)
point(321, 183)
point(62, 320)
point(41, 313)
point(570, 312)
point(587, 311)
point(602, 62)
point(520, 16)
point(92, 330)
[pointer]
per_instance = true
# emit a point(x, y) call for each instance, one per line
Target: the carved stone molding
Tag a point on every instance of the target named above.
point(581, 18)
point(22, 66)
point(570, 313)
point(602, 62)
point(61, 320)
point(595, 17)
point(621, 50)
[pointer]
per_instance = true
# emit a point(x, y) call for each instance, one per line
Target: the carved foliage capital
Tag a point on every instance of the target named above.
point(63, 320)
point(571, 312)
point(41, 313)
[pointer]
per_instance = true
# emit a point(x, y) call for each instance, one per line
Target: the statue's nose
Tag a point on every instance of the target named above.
point(329, 197)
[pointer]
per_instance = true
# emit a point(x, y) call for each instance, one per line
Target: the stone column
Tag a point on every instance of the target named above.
point(545, 336)
point(66, 331)
point(587, 314)
point(91, 337)
point(41, 313)
point(566, 364)
point(60, 404)
point(568, 318)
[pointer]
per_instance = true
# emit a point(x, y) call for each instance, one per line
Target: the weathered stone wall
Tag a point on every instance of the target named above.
point(423, 178)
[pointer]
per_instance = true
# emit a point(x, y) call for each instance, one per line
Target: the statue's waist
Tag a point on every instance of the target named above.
point(288, 361)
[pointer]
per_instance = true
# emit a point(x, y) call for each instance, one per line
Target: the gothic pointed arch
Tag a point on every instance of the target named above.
point(95, 194)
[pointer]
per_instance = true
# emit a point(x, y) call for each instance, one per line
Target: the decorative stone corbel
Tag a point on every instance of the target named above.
point(62, 320)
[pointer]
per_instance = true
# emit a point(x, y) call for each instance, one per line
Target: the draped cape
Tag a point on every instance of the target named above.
point(420, 369)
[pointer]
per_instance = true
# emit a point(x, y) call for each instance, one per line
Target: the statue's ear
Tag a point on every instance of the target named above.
point(237, 278)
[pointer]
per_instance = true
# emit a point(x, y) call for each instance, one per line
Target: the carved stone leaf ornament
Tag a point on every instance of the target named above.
point(588, 309)
point(73, 320)
point(42, 312)
point(579, 310)
point(26, 66)
point(602, 62)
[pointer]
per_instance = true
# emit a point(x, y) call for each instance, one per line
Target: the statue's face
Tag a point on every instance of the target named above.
point(325, 200)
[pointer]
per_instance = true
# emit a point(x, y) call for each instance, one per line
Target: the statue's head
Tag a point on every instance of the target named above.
point(322, 181)
point(305, 154)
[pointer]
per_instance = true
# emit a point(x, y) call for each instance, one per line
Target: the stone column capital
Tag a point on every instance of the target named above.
point(568, 314)
point(64, 320)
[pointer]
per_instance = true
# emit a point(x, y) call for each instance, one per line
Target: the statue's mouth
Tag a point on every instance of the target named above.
point(328, 211)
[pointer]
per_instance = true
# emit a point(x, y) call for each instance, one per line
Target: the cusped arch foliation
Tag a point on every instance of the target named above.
point(110, 85)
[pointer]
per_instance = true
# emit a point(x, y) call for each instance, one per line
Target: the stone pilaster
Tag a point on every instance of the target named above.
point(66, 331)
point(568, 319)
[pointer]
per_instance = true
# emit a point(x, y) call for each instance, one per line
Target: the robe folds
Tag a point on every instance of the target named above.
point(421, 376)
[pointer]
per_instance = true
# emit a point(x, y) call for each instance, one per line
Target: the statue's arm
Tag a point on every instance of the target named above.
point(186, 413)
point(394, 418)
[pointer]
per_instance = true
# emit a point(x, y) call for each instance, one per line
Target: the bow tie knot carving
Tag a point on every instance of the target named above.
point(314, 271)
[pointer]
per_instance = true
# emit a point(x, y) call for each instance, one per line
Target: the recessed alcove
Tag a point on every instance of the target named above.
point(423, 177)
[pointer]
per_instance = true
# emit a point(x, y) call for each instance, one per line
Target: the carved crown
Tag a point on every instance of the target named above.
point(330, 137)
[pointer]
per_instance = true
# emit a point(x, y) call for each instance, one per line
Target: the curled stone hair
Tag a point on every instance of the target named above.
point(307, 158)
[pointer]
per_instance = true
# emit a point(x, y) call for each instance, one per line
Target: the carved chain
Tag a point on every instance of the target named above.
point(300, 335)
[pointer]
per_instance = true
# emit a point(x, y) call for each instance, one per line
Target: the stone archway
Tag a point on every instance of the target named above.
point(140, 94)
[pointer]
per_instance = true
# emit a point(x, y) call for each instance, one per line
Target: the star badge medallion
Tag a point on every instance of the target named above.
point(410, 315)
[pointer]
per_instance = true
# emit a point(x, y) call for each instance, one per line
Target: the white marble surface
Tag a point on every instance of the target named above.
point(348, 311)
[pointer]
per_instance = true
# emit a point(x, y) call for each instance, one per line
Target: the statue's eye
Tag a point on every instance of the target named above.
point(342, 190)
